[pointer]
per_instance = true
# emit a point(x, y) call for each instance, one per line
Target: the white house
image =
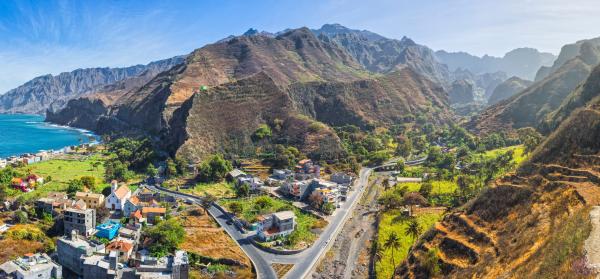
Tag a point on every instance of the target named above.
point(118, 196)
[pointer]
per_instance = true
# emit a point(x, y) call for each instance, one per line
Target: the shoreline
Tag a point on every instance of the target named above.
point(89, 136)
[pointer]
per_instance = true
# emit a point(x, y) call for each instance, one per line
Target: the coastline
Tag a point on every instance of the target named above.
point(90, 137)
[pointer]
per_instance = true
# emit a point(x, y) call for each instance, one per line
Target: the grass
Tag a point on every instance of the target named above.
point(518, 153)
point(305, 222)
point(388, 225)
point(62, 170)
point(219, 189)
point(439, 186)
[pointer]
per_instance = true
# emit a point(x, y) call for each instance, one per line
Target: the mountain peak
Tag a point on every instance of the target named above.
point(251, 32)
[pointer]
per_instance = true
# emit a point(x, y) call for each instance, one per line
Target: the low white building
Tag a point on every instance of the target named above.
point(31, 266)
point(277, 224)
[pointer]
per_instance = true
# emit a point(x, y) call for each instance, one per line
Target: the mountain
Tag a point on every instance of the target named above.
point(567, 53)
point(507, 89)
point(531, 106)
point(484, 84)
point(530, 224)
point(295, 82)
point(53, 92)
point(461, 92)
point(520, 62)
point(382, 55)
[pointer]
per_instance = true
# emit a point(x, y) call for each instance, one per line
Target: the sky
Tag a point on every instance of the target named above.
point(50, 37)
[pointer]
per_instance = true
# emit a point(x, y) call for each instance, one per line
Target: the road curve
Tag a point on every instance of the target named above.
point(305, 261)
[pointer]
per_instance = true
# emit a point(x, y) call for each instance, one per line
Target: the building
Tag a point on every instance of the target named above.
point(131, 205)
point(91, 200)
point(122, 248)
point(275, 225)
point(342, 178)
point(234, 174)
point(254, 183)
point(173, 267)
point(3, 163)
point(306, 169)
point(283, 174)
point(298, 189)
point(81, 219)
point(54, 203)
point(73, 249)
point(108, 230)
point(153, 214)
point(118, 196)
point(31, 266)
point(104, 267)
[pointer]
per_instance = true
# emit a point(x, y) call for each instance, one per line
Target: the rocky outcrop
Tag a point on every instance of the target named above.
point(53, 92)
point(462, 92)
point(507, 89)
point(567, 52)
point(382, 55)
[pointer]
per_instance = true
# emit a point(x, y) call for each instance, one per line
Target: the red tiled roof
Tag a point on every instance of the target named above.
point(122, 192)
point(120, 245)
point(137, 214)
point(161, 210)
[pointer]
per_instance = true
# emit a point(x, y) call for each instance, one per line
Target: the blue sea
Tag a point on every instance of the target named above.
point(20, 133)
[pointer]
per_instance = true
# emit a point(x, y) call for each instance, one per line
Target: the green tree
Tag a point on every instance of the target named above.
point(88, 181)
point(74, 186)
point(263, 131)
point(404, 147)
point(171, 169)
point(214, 169)
point(236, 208)
point(425, 189)
point(530, 138)
point(166, 236)
point(414, 229)
point(21, 217)
point(207, 201)
point(151, 171)
point(242, 191)
point(263, 202)
point(393, 243)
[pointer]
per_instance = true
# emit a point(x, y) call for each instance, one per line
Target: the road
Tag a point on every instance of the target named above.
point(305, 261)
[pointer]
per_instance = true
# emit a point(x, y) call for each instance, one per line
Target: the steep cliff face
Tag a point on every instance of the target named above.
point(382, 55)
point(462, 92)
point(507, 89)
point(531, 224)
point(53, 92)
point(531, 106)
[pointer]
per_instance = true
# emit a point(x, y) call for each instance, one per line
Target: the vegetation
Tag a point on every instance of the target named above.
point(253, 207)
point(214, 169)
point(389, 225)
point(165, 236)
point(128, 156)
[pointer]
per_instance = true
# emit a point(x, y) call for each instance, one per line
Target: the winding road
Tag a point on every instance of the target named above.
point(305, 261)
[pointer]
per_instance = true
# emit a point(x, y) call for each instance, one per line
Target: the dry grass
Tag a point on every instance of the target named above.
point(12, 249)
point(204, 237)
point(282, 269)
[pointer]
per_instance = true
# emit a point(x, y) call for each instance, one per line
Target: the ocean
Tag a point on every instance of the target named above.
point(20, 133)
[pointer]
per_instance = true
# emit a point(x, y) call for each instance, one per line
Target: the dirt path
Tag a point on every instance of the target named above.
point(349, 255)
point(592, 244)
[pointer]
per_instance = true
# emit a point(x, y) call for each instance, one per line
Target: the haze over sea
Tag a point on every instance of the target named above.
point(21, 133)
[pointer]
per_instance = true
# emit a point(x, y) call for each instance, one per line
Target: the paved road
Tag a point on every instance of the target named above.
point(305, 261)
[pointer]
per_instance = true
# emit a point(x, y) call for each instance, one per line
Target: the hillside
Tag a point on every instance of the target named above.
point(507, 89)
point(531, 224)
point(53, 92)
point(293, 82)
point(531, 106)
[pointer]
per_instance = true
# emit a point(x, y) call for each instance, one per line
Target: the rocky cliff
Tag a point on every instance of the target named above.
point(53, 92)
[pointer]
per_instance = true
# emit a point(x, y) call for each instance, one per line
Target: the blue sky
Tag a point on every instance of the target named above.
point(41, 37)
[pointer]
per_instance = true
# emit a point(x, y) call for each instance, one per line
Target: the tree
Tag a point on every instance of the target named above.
point(88, 181)
point(166, 237)
point(414, 229)
point(207, 201)
point(151, 170)
point(400, 166)
point(171, 169)
point(74, 186)
point(413, 198)
point(263, 202)
point(214, 169)
point(392, 242)
point(236, 208)
point(328, 208)
point(404, 147)
point(386, 183)
point(425, 189)
point(242, 190)
point(530, 138)
point(263, 131)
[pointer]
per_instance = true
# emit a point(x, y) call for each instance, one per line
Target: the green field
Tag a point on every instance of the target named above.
point(518, 153)
point(219, 189)
point(61, 171)
point(387, 225)
point(439, 187)
point(305, 221)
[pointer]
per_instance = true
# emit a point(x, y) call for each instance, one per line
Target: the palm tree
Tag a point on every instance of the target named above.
point(392, 242)
point(414, 229)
